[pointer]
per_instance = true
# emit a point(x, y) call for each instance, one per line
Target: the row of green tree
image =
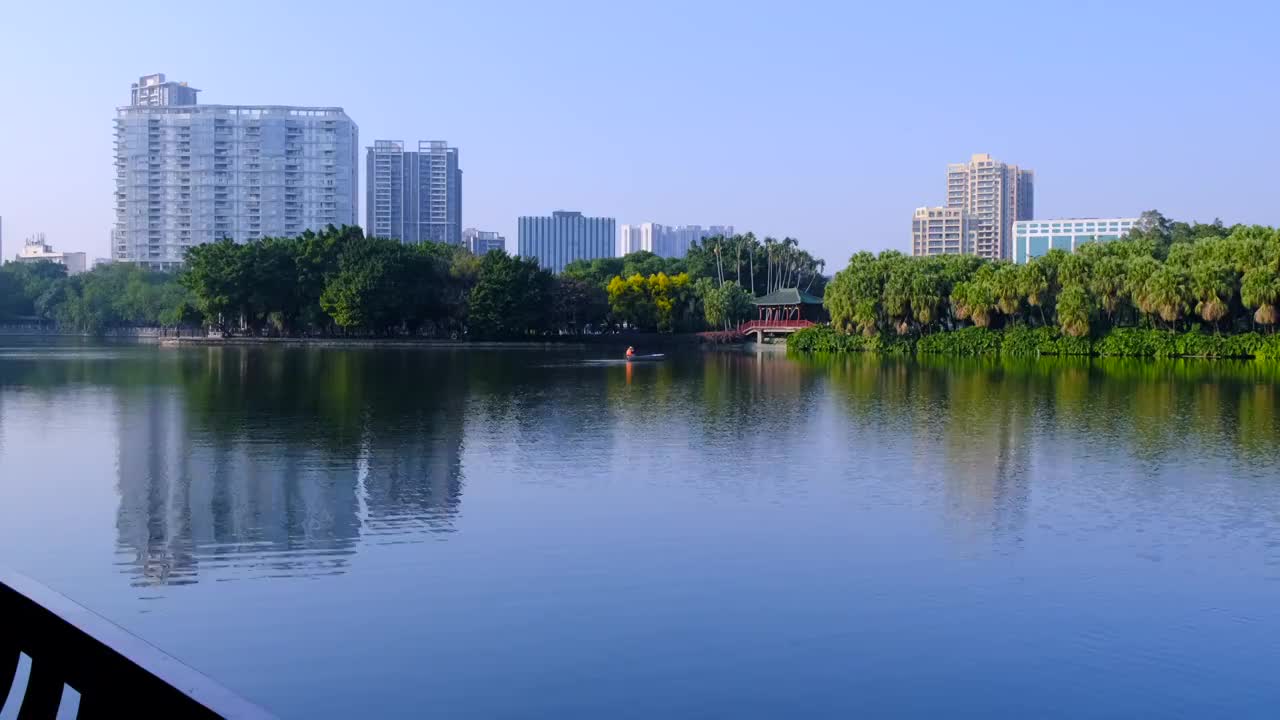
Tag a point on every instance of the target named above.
point(339, 281)
point(1162, 275)
point(109, 296)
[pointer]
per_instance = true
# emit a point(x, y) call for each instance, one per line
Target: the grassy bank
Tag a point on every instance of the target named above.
point(1033, 342)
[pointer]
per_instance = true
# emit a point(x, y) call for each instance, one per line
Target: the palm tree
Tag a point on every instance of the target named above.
point(1033, 283)
point(719, 246)
point(788, 264)
point(1260, 290)
point(1006, 287)
point(1107, 283)
point(926, 295)
point(974, 301)
point(818, 266)
point(1213, 286)
point(866, 315)
point(853, 297)
point(769, 245)
point(1165, 292)
point(1073, 311)
point(738, 240)
point(897, 298)
point(1074, 270)
point(1137, 271)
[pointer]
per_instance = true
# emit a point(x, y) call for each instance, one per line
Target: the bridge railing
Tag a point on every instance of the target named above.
point(115, 673)
point(767, 324)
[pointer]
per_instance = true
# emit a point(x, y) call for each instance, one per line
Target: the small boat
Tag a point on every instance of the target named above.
point(655, 356)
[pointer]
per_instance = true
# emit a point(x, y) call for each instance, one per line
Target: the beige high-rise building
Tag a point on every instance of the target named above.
point(940, 231)
point(994, 195)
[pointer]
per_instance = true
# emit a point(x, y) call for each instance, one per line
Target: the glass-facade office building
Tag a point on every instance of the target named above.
point(1034, 238)
point(564, 237)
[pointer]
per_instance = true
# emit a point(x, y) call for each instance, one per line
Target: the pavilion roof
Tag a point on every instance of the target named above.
point(787, 296)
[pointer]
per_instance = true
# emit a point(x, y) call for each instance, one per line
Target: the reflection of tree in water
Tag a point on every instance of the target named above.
point(963, 426)
point(248, 462)
point(754, 398)
point(259, 461)
point(986, 425)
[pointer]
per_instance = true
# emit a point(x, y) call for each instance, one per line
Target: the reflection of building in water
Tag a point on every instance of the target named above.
point(262, 497)
point(152, 520)
point(988, 449)
point(251, 499)
point(189, 501)
point(414, 476)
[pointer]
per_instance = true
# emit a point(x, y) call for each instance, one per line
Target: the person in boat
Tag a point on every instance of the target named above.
point(631, 352)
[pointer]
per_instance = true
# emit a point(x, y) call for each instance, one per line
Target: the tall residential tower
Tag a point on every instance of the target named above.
point(188, 174)
point(994, 195)
point(155, 91)
point(413, 196)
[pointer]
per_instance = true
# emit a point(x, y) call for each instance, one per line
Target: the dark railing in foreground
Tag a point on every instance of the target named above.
point(115, 673)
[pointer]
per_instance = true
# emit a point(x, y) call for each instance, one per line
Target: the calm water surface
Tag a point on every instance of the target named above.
point(528, 533)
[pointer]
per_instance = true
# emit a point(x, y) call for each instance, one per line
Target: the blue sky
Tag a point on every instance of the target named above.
point(828, 122)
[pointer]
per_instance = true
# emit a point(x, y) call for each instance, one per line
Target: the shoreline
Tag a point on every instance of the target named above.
point(330, 342)
point(148, 336)
point(1021, 341)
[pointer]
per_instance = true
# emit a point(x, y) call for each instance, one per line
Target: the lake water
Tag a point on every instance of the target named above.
point(532, 533)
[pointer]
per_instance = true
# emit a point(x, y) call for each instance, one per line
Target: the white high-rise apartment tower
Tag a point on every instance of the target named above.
point(666, 240)
point(188, 174)
point(993, 195)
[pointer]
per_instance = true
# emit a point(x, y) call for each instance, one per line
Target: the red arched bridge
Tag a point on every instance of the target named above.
point(760, 328)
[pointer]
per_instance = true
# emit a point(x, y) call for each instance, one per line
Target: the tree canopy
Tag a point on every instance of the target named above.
point(338, 281)
point(1163, 275)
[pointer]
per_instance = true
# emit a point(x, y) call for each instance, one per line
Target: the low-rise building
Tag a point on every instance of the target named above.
point(35, 249)
point(1033, 238)
point(480, 242)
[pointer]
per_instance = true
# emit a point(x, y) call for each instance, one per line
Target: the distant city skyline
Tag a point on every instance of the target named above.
point(832, 104)
point(665, 240)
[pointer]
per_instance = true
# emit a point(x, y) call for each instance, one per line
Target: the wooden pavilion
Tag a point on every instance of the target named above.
point(784, 311)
